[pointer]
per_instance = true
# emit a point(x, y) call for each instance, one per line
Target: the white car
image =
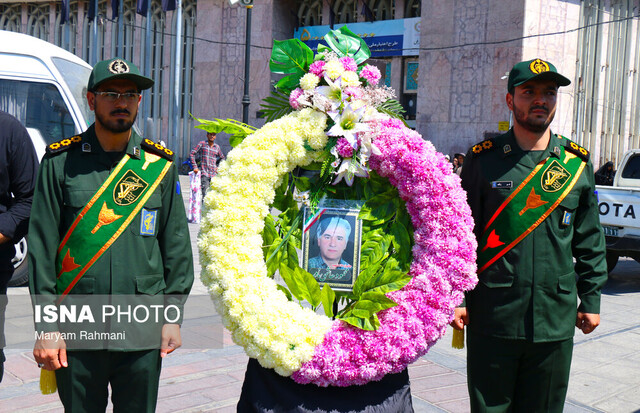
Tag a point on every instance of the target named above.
point(43, 86)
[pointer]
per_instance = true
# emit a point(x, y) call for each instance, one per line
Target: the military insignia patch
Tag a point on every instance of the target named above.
point(566, 218)
point(129, 188)
point(554, 177)
point(118, 66)
point(482, 146)
point(539, 66)
point(148, 222)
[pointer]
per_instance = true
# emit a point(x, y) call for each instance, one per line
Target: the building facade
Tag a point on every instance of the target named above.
point(449, 73)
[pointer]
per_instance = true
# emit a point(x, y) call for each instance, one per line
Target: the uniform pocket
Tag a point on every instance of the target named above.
point(77, 198)
point(150, 284)
point(85, 285)
point(497, 279)
point(567, 283)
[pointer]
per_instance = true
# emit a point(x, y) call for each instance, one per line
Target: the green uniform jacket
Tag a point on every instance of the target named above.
point(530, 292)
point(161, 263)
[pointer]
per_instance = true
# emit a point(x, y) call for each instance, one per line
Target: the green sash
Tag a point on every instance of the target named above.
point(107, 215)
point(528, 206)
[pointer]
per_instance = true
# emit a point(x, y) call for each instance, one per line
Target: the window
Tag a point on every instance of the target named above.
point(39, 106)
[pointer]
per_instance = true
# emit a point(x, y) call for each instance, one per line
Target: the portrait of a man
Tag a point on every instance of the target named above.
point(331, 247)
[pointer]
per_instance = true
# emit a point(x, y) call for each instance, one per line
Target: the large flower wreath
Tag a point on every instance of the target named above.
point(340, 121)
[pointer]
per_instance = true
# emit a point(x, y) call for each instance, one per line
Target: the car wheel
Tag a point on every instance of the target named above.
point(612, 260)
point(20, 265)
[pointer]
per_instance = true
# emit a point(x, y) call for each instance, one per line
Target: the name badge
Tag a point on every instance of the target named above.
point(502, 184)
point(148, 222)
point(566, 218)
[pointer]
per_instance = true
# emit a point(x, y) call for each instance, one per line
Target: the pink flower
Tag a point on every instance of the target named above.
point(371, 74)
point(348, 63)
point(353, 91)
point(443, 268)
point(293, 98)
point(317, 68)
point(344, 148)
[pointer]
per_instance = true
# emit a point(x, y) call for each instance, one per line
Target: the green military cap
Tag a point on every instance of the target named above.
point(117, 68)
point(534, 69)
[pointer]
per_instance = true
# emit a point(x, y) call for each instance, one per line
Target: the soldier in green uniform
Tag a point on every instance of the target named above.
point(108, 219)
point(532, 197)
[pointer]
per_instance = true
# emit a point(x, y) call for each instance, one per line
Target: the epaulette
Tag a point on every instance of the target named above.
point(157, 149)
point(64, 144)
point(575, 149)
point(484, 146)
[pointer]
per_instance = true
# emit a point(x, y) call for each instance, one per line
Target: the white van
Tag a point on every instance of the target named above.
point(45, 87)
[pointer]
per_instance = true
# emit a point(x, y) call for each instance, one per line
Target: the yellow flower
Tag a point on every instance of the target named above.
point(333, 69)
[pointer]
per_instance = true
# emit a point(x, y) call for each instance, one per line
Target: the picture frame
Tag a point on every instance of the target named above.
point(331, 242)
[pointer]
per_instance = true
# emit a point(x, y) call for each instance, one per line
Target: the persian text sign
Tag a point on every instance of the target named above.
point(385, 38)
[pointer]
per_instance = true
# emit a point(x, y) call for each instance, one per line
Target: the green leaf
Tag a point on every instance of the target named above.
point(285, 291)
point(274, 263)
point(346, 43)
point(401, 242)
point(370, 324)
point(301, 284)
point(328, 296)
point(290, 56)
point(237, 129)
point(289, 82)
point(310, 287)
point(289, 277)
point(302, 184)
point(292, 254)
point(275, 106)
point(392, 108)
point(269, 233)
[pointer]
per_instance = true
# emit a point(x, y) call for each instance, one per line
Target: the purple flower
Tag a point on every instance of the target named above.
point(344, 148)
point(293, 98)
point(349, 64)
point(371, 74)
point(443, 268)
point(317, 68)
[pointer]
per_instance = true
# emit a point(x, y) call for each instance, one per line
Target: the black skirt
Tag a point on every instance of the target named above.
point(264, 391)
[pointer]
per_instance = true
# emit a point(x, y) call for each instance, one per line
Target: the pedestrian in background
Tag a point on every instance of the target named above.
point(532, 197)
point(18, 169)
point(210, 155)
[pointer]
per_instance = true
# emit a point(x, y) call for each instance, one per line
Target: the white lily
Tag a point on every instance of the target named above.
point(333, 91)
point(350, 168)
point(348, 124)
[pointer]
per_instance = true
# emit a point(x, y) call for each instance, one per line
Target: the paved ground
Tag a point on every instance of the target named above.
point(206, 374)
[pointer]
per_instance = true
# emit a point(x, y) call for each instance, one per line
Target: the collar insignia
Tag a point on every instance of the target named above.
point(506, 148)
point(86, 147)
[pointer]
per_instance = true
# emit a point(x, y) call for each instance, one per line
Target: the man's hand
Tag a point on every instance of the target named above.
point(4, 238)
point(587, 322)
point(461, 318)
point(51, 351)
point(171, 339)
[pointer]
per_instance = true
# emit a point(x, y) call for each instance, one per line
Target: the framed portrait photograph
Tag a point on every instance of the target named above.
point(331, 241)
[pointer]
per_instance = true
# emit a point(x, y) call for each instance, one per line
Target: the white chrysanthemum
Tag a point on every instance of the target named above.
point(309, 81)
point(333, 69)
point(350, 78)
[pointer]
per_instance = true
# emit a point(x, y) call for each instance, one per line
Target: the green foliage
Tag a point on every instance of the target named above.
point(275, 106)
point(291, 57)
point(385, 254)
point(327, 296)
point(236, 129)
point(346, 43)
point(392, 108)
